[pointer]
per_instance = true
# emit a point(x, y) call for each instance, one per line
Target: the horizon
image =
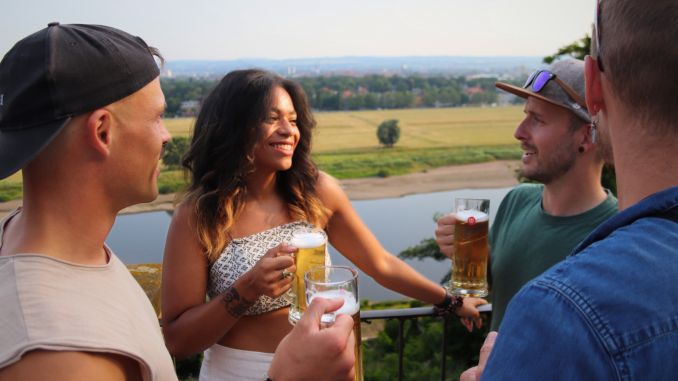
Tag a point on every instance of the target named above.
point(347, 56)
point(360, 66)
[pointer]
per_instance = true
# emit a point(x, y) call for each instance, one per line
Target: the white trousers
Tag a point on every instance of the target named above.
point(225, 364)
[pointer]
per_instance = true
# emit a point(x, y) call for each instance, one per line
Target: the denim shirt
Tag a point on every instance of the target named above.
point(608, 312)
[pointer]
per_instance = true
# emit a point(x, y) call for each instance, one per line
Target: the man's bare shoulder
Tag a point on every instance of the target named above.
point(75, 366)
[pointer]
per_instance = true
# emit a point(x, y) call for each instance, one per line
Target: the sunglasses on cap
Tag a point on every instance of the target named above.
point(539, 78)
point(596, 37)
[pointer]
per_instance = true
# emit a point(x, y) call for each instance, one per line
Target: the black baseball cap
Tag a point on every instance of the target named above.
point(59, 72)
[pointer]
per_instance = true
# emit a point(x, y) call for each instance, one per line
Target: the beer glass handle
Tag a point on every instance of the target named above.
point(289, 295)
point(327, 320)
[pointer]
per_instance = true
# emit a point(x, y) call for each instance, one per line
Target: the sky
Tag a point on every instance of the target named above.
point(228, 30)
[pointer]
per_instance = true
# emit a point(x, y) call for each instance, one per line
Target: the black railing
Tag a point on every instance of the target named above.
point(410, 314)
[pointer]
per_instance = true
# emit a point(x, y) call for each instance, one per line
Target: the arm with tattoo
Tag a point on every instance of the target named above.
point(235, 304)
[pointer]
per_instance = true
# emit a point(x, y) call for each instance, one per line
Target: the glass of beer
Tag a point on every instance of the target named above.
point(311, 243)
point(469, 262)
point(331, 282)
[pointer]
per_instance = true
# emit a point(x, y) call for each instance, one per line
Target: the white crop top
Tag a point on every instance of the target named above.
point(242, 254)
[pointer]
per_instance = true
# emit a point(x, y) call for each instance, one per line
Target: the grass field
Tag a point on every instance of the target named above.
point(420, 128)
point(346, 146)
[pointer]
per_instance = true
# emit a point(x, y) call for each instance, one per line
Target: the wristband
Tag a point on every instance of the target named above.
point(266, 378)
point(449, 305)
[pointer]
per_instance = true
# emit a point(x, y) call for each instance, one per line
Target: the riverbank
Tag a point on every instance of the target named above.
point(494, 174)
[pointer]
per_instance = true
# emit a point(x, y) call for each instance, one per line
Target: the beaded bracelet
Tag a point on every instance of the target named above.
point(450, 305)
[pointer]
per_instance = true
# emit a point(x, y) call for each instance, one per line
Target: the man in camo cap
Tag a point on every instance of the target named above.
point(538, 225)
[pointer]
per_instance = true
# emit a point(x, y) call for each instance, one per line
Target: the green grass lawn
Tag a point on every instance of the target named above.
point(345, 144)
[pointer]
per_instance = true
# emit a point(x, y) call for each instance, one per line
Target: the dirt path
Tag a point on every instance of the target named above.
point(496, 174)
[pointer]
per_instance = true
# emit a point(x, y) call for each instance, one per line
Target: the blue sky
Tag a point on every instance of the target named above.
point(225, 30)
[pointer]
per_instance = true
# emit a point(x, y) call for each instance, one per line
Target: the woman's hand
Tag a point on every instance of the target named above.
point(267, 277)
point(469, 314)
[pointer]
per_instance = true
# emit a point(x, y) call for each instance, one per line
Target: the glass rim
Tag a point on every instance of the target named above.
point(352, 270)
point(471, 199)
point(298, 231)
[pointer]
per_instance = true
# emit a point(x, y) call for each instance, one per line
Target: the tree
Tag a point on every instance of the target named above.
point(578, 49)
point(380, 85)
point(172, 105)
point(449, 95)
point(371, 101)
point(388, 132)
point(405, 99)
point(355, 101)
point(430, 96)
point(402, 86)
point(175, 151)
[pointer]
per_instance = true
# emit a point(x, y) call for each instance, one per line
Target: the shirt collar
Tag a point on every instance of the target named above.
point(657, 203)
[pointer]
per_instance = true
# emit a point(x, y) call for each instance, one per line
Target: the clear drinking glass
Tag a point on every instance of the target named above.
point(330, 282)
point(469, 262)
point(311, 243)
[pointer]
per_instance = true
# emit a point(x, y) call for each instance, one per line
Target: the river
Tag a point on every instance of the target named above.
point(398, 223)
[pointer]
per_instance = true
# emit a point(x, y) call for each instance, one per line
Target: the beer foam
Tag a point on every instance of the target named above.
point(464, 215)
point(308, 240)
point(350, 306)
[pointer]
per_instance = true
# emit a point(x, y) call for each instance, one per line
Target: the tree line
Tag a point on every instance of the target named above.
point(369, 92)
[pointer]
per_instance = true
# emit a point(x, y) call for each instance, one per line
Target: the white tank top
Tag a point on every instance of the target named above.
point(50, 304)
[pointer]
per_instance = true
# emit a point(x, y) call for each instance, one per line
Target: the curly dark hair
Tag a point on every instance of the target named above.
point(221, 157)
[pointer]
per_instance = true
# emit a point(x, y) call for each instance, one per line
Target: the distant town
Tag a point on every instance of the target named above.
point(362, 83)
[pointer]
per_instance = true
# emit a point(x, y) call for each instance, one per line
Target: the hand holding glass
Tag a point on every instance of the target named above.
point(330, 282)
point(469, 261)
point(311, 243)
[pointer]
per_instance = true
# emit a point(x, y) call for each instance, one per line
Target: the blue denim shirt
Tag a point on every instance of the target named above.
point(608, 312)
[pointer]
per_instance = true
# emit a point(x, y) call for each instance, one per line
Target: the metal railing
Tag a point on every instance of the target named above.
point(405, 314)
point(411, 314)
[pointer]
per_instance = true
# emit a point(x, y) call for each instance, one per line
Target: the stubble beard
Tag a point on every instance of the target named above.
point(548, 171)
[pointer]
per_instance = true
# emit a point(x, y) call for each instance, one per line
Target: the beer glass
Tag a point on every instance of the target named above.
point(330, 282)
point(469, 262)
point(311, 243)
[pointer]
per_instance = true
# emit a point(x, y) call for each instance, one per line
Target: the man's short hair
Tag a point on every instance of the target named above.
point(639, 51)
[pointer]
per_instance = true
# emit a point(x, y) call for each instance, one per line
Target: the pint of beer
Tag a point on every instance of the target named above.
point(469, 262)
point(331, 282)
point(311, 243)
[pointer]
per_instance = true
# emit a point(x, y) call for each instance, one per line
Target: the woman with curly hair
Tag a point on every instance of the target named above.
point(251, 183)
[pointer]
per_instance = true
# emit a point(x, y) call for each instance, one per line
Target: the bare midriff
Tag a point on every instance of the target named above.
point(258, 333)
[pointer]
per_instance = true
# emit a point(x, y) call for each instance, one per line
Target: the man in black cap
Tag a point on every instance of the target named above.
point(80, 109)
point(538, 225)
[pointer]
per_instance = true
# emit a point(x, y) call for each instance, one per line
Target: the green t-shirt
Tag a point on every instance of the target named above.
point(526, 241)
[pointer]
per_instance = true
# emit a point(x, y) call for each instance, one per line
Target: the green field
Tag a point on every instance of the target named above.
point(345, 143)
point(420, 128)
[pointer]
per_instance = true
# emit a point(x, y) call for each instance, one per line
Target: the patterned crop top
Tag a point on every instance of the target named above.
point(242, 254)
